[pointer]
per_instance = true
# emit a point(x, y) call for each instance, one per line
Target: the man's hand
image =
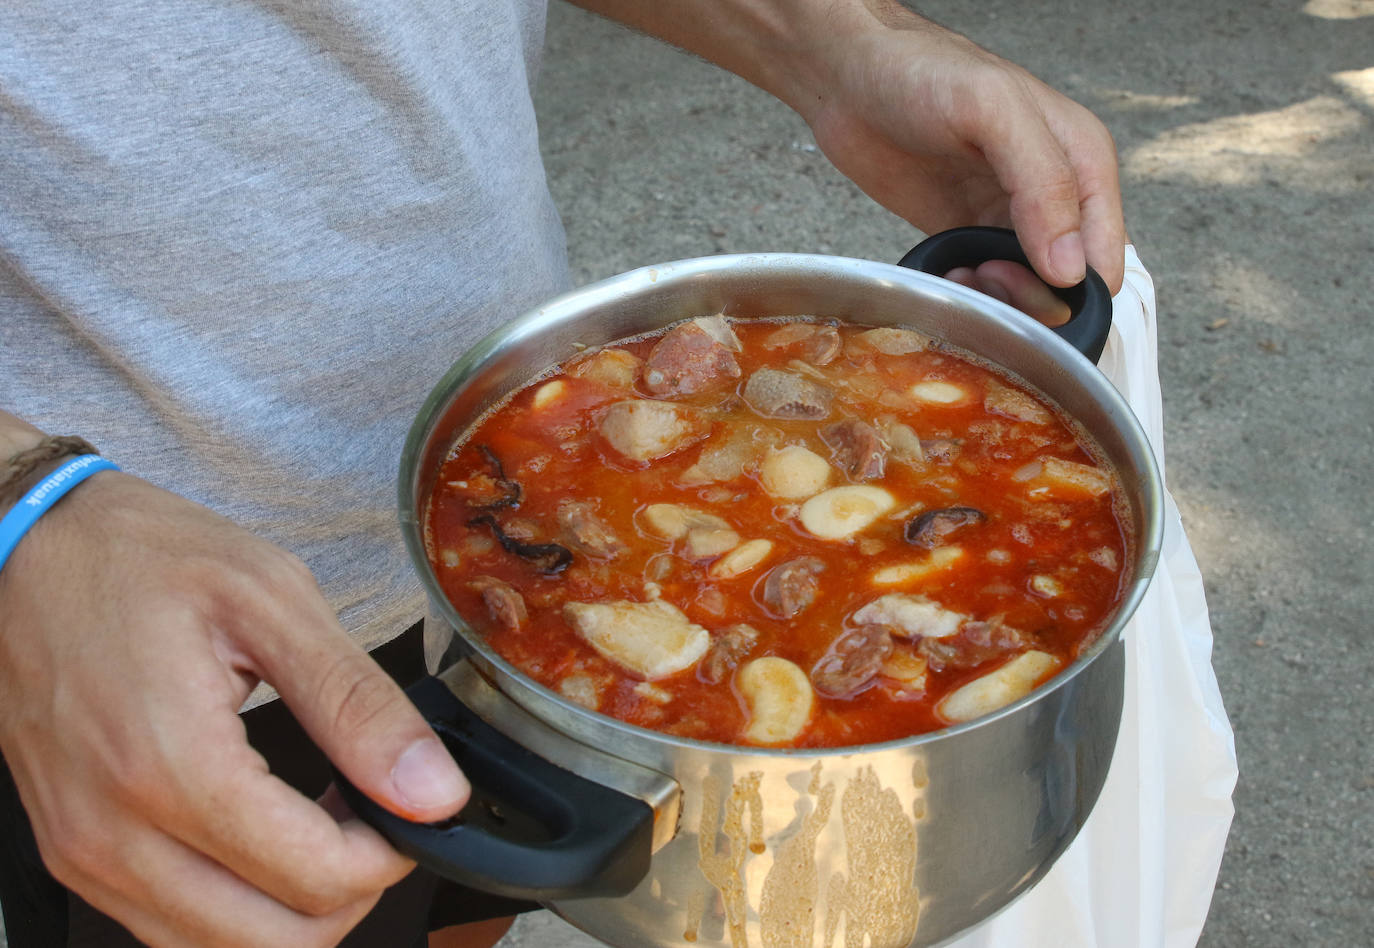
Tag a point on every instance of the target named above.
point(133, 623)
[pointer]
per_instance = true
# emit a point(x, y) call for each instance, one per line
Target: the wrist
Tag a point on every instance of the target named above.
point(25, 469)
point(840, 47)
point(36, 479)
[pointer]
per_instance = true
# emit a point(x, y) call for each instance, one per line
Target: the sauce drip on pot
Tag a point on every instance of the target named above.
point(791, 533)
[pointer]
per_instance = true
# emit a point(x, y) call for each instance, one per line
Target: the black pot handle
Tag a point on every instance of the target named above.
point(1090, 304)
point(532, 830)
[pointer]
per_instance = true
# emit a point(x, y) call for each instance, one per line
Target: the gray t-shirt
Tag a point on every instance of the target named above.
point(240, 241)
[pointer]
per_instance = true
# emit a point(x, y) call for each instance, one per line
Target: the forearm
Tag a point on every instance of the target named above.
point(781, 46)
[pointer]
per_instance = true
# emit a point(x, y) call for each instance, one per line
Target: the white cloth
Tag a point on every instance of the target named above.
point(1142, 870)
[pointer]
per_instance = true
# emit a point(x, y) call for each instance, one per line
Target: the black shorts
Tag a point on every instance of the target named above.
point(40, 913)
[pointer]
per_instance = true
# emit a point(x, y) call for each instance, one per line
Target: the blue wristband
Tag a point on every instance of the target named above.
point(47, 492)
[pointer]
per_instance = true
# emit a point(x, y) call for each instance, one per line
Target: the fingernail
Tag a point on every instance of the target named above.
point(1066, 257)
point(426, 776)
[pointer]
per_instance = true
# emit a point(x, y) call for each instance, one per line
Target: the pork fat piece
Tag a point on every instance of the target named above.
point(643, 430)
point(650, 639)
point(910, 616)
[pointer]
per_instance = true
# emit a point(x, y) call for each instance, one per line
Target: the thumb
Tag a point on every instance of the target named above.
point(364, 722)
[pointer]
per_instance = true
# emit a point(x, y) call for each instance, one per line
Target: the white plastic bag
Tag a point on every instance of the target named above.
point(1142, 870)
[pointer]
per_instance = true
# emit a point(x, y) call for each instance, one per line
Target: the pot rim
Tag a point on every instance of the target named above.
point(578, 301)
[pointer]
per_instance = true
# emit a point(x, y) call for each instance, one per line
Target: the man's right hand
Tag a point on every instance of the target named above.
point(133, 624)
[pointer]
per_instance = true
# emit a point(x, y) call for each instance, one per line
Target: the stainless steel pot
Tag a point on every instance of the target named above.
point(644, 839)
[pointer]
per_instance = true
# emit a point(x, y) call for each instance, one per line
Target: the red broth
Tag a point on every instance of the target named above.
point(1002, 538)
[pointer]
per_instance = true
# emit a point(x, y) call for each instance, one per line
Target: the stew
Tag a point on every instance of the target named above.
point(780, 532)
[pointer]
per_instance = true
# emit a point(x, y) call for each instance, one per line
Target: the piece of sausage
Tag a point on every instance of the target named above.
point(792, 586)
point(853, 661)
point(774, 393)
point(976, 643)
point(688, 359)
point(857, 448)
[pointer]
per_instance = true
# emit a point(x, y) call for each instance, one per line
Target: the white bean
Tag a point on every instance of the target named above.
point(841, 512)
point(997, 688)
point(779, 698)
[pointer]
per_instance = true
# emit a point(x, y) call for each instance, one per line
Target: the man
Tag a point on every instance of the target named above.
point(238, 242)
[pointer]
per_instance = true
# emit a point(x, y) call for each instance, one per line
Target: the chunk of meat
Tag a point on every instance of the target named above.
point(774, 393)
point(857, 448)
point(886, 340)
point(1005, 400)
point(903, 443)
point(690, 358)
point(941, 449)
point(726, 650)
point(504, 604)
point(976, 643)
point(934, 527)
point(613, 368)
point(789, 588)
point(910, 616)
point(650, 639)
point(1070, 477)
point(643, 430)
point(853, 661)
point(587, 532)
point(811, 343)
